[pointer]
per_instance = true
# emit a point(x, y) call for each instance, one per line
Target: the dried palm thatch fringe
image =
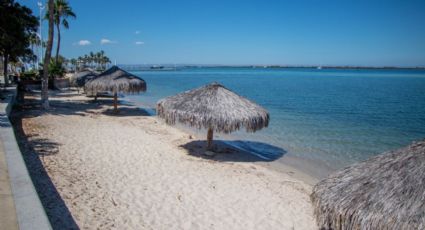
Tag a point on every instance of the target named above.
point(116, 80)
point(79, 79)
point(384, 192)
point(213, 107)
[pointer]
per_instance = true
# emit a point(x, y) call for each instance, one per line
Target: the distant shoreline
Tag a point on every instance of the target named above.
point(168, 67)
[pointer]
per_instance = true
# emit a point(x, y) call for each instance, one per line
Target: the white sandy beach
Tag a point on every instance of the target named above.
point(130, 172)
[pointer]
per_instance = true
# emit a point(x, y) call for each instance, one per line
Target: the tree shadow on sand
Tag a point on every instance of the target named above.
point(64, 106)
point(4, 121)
point(32, 105)
point(236, 151)
point(33, 150)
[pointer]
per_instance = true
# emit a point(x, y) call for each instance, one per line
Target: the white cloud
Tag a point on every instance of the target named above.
point(104, 41)
point(84, 42)
point(137, 32)
point(139, 43)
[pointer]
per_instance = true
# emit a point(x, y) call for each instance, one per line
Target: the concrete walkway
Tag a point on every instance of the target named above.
point(8, 218)
point(20, 206)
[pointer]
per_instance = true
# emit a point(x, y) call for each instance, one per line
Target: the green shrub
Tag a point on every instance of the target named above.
point(56, 69)
point(29, 75)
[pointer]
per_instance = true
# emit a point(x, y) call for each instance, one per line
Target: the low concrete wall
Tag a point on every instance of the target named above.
point(61, 83)
point(31, 84)
point(29, 210)
point(36, 84)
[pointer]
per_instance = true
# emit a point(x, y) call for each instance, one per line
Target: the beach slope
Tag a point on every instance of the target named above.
point(131, 171)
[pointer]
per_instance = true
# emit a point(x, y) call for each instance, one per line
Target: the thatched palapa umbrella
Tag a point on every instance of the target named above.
point(81, 78)
point(215, 108)
point(116, 80)
point(385, 192)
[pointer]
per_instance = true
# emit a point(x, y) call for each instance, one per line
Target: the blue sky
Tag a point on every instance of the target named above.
point(315, 32)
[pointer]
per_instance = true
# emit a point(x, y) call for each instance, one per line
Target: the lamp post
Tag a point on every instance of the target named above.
point(40, 7)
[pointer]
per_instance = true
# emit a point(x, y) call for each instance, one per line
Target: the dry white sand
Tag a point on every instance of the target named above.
point(129, 172)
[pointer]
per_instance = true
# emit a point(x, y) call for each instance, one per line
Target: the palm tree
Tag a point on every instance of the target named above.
point(80, 60)
point(102, 59)
point(74, 62)
point(105, 61)
point(63, 60)
point(45, 82)
point(86, 60)
point(34, 41)
point(91, 58)
point(62, 11)
point(98, 59)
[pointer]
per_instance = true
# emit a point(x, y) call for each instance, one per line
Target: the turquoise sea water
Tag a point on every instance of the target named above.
point(331, 116)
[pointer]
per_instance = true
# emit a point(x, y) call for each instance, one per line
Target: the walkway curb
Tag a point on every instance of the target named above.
point(29, 210)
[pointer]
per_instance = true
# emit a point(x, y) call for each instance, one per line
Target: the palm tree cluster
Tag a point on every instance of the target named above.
point(57, 13)
point(61, 11)
point(96, 61)
point(34, 41)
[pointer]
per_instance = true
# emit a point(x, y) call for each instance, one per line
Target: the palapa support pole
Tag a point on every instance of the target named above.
point(210, 136)
point(115, 102)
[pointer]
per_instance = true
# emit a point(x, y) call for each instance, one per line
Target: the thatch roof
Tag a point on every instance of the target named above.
point(81, 78)
point(213, 106)
point(116, 80)
point(385, 192)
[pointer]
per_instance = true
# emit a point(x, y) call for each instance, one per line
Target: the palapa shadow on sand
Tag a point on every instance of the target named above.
point(66, 93)
point(236, 151)
point(33, 150)
point(126, 111)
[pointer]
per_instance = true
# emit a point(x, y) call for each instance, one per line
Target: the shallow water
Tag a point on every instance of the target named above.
point(332, 116)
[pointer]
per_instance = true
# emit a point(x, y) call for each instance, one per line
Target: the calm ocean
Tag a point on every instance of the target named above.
point(332, 116)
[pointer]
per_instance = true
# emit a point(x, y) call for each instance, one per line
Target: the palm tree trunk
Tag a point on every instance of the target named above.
point(210, 136)
point(5, 63)
point(32, 61)
point(115, 102)
point(59, 41)
point(45, 81)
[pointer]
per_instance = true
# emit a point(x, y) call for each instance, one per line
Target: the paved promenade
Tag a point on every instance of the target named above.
point(20, 206)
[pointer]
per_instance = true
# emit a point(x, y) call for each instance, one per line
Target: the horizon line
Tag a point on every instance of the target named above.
point(274, 66)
